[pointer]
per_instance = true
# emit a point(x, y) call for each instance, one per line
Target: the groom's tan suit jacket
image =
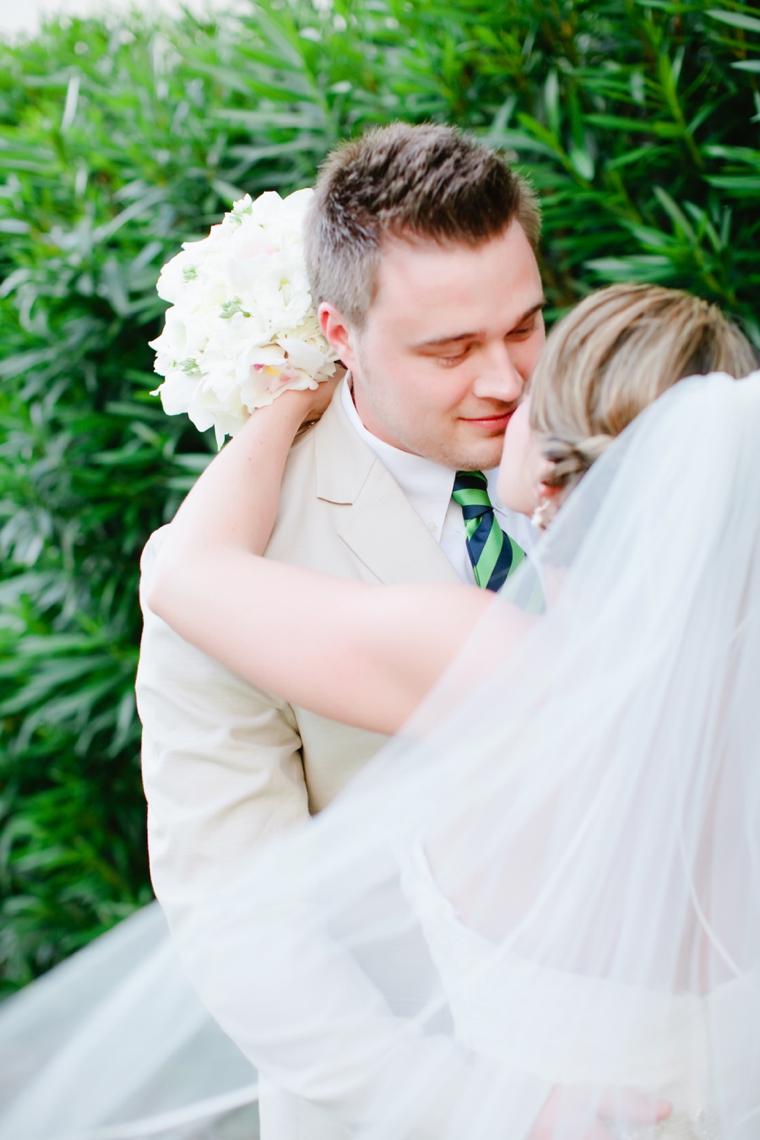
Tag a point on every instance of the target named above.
point(225, 764)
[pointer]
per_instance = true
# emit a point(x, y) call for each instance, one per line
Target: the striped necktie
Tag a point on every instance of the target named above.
point(494, 555)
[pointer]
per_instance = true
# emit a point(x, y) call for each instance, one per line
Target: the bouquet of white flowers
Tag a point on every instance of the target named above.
point(242, 327)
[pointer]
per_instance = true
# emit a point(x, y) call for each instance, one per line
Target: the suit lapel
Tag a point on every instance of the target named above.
point(390, 538)
point(381, 528)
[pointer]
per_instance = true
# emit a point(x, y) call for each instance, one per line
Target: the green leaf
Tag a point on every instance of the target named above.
point(141, 206)
point(635, 268)
point(21, 362)
point(650, 127)
point(738, 182)
point(582, 162)
point(227, 192)
point(674, 212)
point(735, 19)
point(734, 153)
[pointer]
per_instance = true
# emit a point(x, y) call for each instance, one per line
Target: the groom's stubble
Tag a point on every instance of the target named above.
point(447, 347)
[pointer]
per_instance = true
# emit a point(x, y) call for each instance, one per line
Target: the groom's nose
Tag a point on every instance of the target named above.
point(499, 377)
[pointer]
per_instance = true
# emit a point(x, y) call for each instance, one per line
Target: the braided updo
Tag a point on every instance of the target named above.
point(612, 356)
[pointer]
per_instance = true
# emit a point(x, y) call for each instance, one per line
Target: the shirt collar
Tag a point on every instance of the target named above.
point(426, 484)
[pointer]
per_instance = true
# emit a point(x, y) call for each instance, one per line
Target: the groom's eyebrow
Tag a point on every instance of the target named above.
point(454, 338)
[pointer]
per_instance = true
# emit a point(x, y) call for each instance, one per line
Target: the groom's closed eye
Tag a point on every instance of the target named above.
point(525, 330)
point(456, 355)
point(461, 351)
point(528, 323)
point(452, 350)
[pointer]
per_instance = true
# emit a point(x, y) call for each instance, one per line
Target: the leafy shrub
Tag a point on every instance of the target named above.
point(638, 122)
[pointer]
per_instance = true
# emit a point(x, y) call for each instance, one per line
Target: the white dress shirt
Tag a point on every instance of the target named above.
point(428, 486)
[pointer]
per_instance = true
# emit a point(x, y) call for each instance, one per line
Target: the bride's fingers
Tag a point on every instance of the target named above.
point(587, 1113)
point(570, 1111)
point(597, 1131)
point(323, 394)
point(630, 1105)
point(313, 401)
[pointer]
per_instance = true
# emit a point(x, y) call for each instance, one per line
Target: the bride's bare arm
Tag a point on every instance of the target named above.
point(359, 653)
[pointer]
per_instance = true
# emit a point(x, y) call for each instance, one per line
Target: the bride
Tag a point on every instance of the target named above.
point(572, 807)
point(579, 837)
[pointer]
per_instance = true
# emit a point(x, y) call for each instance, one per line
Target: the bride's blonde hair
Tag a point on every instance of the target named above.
point(612, 356)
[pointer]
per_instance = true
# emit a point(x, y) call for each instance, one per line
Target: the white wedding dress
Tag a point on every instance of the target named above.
point(514, 1011)
point(575, 827)
point(183, 1077)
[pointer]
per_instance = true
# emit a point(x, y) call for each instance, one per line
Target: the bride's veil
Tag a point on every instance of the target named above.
point(552, 877)
point(546, 890)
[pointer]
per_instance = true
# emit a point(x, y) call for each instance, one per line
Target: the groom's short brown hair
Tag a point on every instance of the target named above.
point(425, 182)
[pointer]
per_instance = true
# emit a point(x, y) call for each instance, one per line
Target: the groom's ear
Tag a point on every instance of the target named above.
point(337, 332)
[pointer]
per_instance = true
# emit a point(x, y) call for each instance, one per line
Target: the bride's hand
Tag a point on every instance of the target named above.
point(312, 403)
point(590, 1114)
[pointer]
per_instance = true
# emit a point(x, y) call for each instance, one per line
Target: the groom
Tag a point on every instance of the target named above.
point(421, 254)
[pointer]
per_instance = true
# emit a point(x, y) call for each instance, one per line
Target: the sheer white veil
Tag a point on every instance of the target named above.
point(552, 877)
point(114, 1044)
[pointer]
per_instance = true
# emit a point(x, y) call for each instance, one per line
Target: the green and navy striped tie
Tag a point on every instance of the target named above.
point(494, 555)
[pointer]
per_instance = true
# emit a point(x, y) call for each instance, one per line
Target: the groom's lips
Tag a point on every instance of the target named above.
point(494, 425)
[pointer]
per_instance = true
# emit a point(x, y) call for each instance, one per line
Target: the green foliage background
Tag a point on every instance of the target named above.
point(638, 122)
